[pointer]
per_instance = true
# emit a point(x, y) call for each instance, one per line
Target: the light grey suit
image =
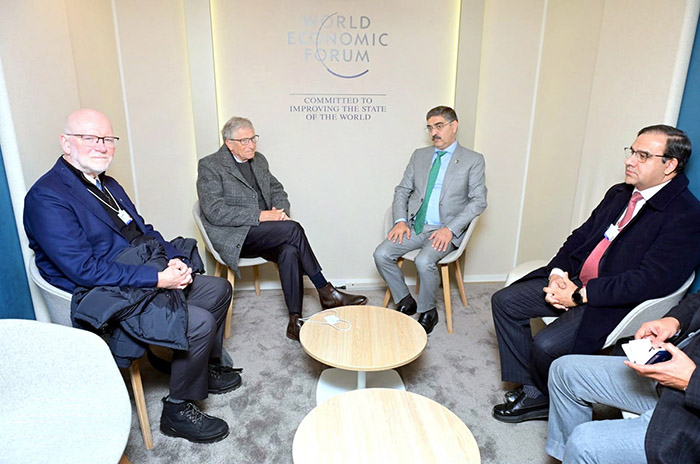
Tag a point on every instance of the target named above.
point(462, 198)
point(230, 204)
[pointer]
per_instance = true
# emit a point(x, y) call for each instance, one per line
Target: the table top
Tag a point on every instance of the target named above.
point(379, 339)
point(378, 425)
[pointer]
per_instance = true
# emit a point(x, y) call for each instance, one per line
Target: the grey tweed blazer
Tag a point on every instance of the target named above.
point(229, 203)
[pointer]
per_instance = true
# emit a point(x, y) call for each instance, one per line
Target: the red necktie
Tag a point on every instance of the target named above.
point(590, 266)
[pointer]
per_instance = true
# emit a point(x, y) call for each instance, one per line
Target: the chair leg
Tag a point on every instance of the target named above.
point(231, 276)
point(256, 279)
point(387, 297)
point(460, 283)
point(387, 294)
point(445, 270)
point(140, 400)
point(124, 460)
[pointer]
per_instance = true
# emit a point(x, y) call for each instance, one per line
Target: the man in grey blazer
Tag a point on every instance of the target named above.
point(442, 190)
point(245, 212)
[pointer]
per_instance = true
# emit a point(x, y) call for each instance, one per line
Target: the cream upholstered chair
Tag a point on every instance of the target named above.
point(222, 269)
point(443, 264)
point(63, 399)
point(58, 304)
point(648, 310)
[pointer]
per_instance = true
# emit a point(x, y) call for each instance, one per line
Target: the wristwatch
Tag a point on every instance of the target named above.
point(577, 297)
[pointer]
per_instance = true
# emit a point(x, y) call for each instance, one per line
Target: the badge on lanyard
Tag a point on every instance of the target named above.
point(612, 232)
point(124, 216)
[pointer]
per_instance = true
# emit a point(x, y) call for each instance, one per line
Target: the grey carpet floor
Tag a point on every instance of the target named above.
point(460, 371)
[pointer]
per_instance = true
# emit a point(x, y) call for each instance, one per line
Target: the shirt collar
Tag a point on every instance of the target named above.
point(451, 149)
point(651, 191)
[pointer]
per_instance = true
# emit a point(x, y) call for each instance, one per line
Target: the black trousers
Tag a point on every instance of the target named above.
point(285, 243)
point(525, 359)
point(208, 299)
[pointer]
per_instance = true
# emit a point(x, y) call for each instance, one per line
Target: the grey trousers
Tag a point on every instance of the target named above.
point(387, 253)
point(208, 299)
point(578, 381)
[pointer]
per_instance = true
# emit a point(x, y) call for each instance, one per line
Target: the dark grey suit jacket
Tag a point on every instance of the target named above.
point(229, 203)
point(463, 194)
point(673, 435)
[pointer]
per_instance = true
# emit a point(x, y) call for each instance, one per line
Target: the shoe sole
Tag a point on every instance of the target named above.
point(229, 389)
point(528, 416)
point(171, 432)
point(361, 303)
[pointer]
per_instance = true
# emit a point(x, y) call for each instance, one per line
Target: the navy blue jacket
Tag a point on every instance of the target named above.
point(651, 257)
point(76, 241)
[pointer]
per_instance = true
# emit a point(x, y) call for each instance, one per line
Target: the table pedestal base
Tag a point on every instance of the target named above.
point(334, 381)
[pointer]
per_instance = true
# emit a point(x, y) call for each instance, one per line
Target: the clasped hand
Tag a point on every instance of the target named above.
point(176, 276)
point(558, 292)
point(273, 214)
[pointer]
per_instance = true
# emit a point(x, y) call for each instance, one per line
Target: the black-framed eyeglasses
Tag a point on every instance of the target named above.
point(246, 141)
point(90, 140)
point(439, 126)
point(642, 156)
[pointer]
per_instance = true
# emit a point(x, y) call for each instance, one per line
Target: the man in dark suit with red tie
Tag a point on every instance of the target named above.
point(666, 395)
point(641, 242)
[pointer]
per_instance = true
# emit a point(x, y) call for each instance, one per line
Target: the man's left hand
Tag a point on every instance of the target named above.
point(441, 238)
point(674, 373)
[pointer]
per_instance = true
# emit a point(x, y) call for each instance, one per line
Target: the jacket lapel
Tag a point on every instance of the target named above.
point(229, 164)
point(262, 176)
point(83, 196)
point(451, 170)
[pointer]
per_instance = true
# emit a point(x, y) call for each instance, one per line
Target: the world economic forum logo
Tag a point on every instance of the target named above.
point(343, 45)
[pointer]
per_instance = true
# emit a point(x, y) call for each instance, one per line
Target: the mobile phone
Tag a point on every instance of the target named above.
point(659, 356)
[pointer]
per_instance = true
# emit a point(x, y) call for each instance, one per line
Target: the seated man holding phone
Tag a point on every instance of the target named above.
point(665, 393)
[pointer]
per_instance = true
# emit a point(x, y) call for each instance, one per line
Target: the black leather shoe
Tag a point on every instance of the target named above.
point(223, 379)
point(331, 297)
point(294, 326)
point(428, 320)
point(407, 305)
point(185, 420)
point(522, 409)
point(512, 395)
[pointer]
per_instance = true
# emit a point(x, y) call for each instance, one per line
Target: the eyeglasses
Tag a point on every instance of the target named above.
point(91, 140)
point(439, 126)
point(642, 156)
point(253, 139)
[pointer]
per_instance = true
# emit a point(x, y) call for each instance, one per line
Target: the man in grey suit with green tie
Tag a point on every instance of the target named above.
point(442, 190)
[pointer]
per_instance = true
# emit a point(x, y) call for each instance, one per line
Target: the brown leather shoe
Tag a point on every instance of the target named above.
point(294, 326)
point(331, 297)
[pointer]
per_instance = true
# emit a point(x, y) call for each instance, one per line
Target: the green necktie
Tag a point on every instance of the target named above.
point(419, 220)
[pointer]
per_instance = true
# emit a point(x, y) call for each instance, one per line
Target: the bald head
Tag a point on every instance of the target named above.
point(85, 154)
point(85, 116)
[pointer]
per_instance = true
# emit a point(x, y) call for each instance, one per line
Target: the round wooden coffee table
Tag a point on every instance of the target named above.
point(378, 341)
point(378, 425)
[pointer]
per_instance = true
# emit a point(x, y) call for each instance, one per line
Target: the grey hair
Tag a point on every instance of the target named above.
point(233, 124)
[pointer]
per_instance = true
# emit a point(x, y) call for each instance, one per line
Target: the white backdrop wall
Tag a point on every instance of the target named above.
point(549, 90)
point(338, 144)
